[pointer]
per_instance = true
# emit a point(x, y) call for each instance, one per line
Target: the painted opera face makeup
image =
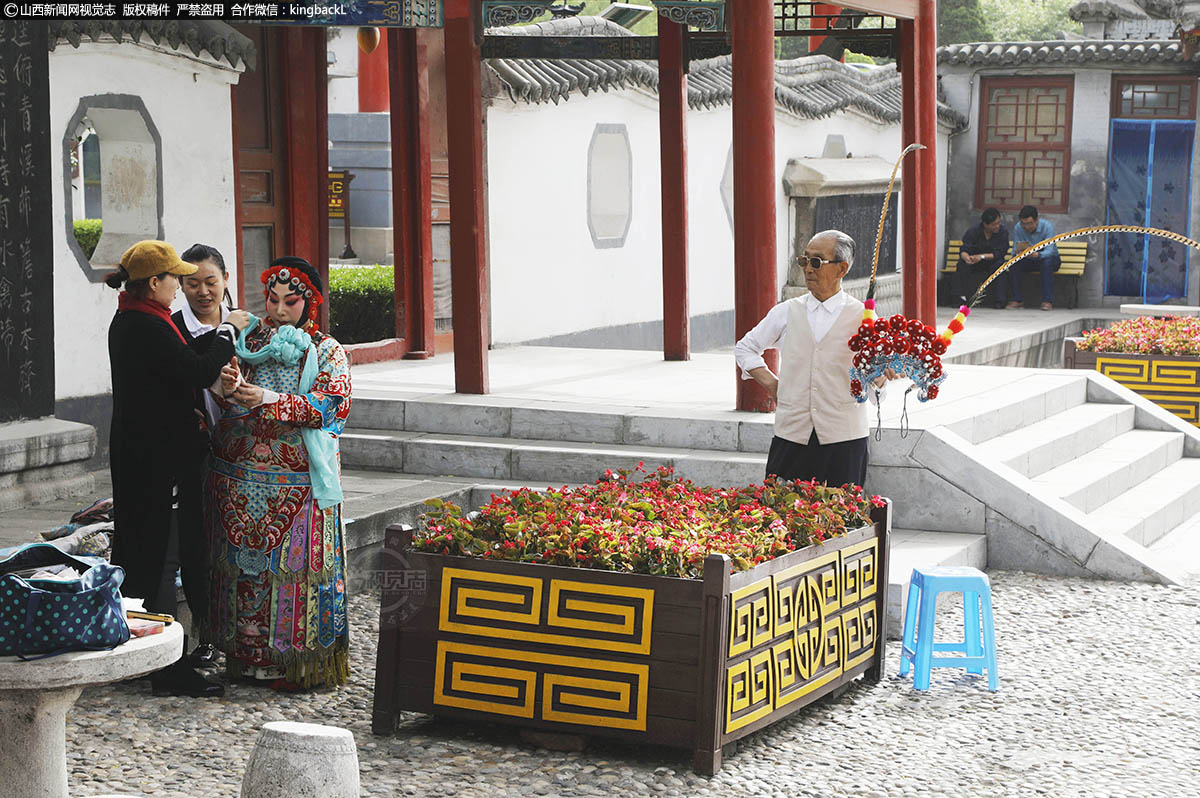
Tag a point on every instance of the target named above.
point(284, 305)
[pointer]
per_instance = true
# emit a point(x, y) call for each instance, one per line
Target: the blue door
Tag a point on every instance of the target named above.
point(1149, 185)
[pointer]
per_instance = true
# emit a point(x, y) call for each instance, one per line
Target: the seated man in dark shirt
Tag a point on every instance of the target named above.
point(984, 248)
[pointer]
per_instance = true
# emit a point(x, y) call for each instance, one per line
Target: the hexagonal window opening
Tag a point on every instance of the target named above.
point(112, 175)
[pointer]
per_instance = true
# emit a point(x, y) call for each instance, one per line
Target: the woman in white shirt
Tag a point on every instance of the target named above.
point(207, 306)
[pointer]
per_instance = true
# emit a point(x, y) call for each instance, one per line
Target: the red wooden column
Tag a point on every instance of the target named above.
point(672, 144)
point(373, 73)
point(412, 193)
point(927, 181)
point(753, 179)
point(821, 23)
point(910, 219)
point(919, 188)
point(306, 119)
point(468, 264)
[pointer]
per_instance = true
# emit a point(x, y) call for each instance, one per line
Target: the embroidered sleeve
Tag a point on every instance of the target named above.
point(327, 405)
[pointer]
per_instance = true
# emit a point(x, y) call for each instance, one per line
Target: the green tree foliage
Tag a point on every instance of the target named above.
point(961, 21)
point(1028, 20)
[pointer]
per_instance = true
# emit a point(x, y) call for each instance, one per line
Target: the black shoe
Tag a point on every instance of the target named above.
point(181, 679)
point(203, 656)
point(998, 305)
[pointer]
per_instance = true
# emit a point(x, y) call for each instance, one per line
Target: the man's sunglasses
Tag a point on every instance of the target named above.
point(814, 261)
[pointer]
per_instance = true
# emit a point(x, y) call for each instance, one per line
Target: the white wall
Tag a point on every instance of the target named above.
point(343, 71)
point(541, 253)
point(188, 99)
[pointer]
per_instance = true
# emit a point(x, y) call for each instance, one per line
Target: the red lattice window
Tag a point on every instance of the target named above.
point(1154, 97)
point(1024, 144)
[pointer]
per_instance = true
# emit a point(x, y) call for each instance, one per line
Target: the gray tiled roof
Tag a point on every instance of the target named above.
point(1186, 11)
point(1062, 52)
point(213, 37)
point(812, 87)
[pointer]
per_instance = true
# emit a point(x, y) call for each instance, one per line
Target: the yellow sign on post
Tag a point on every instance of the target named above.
point(339, 206)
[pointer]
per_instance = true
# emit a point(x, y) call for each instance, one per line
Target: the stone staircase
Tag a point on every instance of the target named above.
point(1064, 472)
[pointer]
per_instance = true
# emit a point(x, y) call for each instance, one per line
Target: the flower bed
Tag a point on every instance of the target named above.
point(652, 610)
point(1156, 358)
point(659, 525)
point(1145, 335)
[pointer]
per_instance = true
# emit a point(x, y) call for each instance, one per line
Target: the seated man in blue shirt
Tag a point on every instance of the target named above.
point(1029, 232)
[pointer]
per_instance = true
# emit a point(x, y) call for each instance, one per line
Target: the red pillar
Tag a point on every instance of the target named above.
point(927, 182)
point(821, 23)
point(306, 120)
point(373, 77)
point(468, 264)
point(753, 179)
point(412, 194)
point(910, 220)
point(672, 145)
point(919, 190)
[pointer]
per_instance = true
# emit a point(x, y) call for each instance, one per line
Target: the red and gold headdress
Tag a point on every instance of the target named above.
point(291, 273)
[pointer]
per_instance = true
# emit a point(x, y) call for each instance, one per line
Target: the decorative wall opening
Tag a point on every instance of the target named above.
point(609, 185)
point(129, 166)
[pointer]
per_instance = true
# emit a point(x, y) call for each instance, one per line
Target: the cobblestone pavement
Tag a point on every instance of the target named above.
point(1099, 696)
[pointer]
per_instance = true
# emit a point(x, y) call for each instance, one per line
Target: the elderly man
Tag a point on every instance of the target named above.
point(820, 431)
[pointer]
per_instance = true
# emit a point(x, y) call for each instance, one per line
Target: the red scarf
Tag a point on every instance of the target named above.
point(127, 301)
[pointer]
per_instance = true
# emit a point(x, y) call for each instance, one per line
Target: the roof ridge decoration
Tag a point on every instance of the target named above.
point(216, 38)
point(702, 14)
point(502, 13)
point(1069, 51)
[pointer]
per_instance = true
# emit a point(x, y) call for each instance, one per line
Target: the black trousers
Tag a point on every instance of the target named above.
point(834, 464)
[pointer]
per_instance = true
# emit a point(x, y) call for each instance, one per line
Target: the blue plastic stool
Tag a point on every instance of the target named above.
point(918, 646)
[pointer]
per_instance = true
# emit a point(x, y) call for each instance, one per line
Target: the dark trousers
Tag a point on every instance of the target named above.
point(193, 547)
point(1047, 265)
point(834, 464)
point(164, 599)
point(967, 279)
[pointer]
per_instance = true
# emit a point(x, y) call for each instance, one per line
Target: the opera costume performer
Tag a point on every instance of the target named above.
point(279, 602)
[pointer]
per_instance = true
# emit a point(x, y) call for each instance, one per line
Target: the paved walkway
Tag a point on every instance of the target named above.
point(1099, 696)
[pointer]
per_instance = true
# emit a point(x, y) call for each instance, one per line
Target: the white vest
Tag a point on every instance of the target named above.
point(814, 379)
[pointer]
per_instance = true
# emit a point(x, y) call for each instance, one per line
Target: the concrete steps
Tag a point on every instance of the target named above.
point(1020, 404)
point(496, 418)
point(1110, 469)
point(1156, 507)
point(1059, 439)
point(537, 461)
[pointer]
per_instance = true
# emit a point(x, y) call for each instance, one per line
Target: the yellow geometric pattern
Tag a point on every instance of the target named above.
point(590, 615)
point(567, 687)
point(799, 629)
point(1173, 385)
point(580, 690)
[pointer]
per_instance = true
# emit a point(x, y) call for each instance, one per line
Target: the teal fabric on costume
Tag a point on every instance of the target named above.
point(288, 345)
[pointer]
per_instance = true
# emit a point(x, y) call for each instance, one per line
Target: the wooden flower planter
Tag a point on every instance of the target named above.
point(1170, 381)
point(688, 663)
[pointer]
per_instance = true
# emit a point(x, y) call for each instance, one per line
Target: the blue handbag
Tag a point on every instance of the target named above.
point(44, 617)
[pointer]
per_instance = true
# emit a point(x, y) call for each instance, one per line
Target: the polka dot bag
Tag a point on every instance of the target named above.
point(43, 617)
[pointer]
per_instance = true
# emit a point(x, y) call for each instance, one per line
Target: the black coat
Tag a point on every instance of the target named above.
point(155, 376)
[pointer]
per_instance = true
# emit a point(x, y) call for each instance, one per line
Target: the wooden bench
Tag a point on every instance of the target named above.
point(1073, 254)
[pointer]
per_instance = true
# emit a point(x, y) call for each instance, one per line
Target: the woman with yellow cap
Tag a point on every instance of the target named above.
point(155, 377)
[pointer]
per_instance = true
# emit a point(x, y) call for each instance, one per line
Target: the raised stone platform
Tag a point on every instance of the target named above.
point(44, 459)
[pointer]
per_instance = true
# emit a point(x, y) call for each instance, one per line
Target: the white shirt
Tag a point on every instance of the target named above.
point(771, 331)
point(195, 327)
